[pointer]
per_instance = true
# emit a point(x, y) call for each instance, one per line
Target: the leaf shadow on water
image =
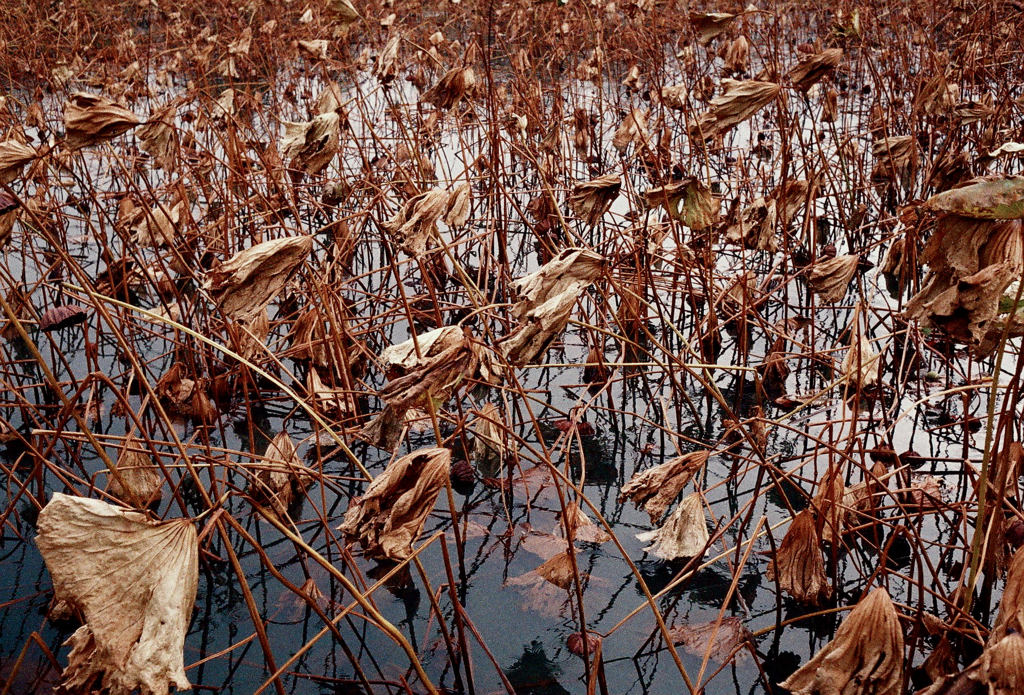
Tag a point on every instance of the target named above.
point(533, 673)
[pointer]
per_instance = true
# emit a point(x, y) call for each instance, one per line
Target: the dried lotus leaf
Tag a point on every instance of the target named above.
point(590, 200)
point(861, 364)
point(989, 198)
point(657, 488)
point(864, 658)
point(798, 565)
point(248, 281)
point(312, 145)
point(390, 515)
point(413, 226)
point(684, 534)
point(138, 481)
point(159, 139)
point(740, 99)
point(830, 279)
point(545, 300)
point(812, 69)
point(134, 582)
point(90, 119)
point(456, 85)
point(282, 479)
point(14, 156)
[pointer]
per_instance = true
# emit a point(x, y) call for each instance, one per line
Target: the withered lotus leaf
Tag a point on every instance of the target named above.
point(1011, 605)
point(812, 69)
point(988, 198)
point(413, 226)
point(343, 10)
point(458, 206)
point(861, 364)
point(281, 479)
point(710, 24)
point(489, 447)
point(720, 640)
point(311, 145)
point(141, 477)
point(1001, 666)
point(457, 84)
point(422, 351)
point(570, 271)
point(688, 201)
point(158, 227)
point(755, 227)
point(830, 278)
point(133, 581)
point(557, 570)
point(14, 156)
point(90, 119)
point(315, 49)
point(798, 564)
point(434, 373)
point(184, 396)
point(582, 526)
point(657, 488)
point(684, 534)
point(740, 99)
point(446, 356)
point(590, 200)
point(63, 316)
point(390, 515)
point(864, 658)
point(971, 262)
point(737, 56)
point(159, 139)
point(545, 300)
point(632, 129)
point(675, 96)
point(331, 401)
point(244, 284)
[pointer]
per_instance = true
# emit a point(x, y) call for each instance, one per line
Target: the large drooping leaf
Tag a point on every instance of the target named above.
point(244, 284)
point(864, 658)
point(989, 198)
point(133, 581)
point(390, 515)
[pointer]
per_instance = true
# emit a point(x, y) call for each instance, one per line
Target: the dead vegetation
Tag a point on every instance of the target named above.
point(678, 342)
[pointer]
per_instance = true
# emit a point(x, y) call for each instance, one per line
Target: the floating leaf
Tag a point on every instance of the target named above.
point(718, 639)
point(63, 316)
